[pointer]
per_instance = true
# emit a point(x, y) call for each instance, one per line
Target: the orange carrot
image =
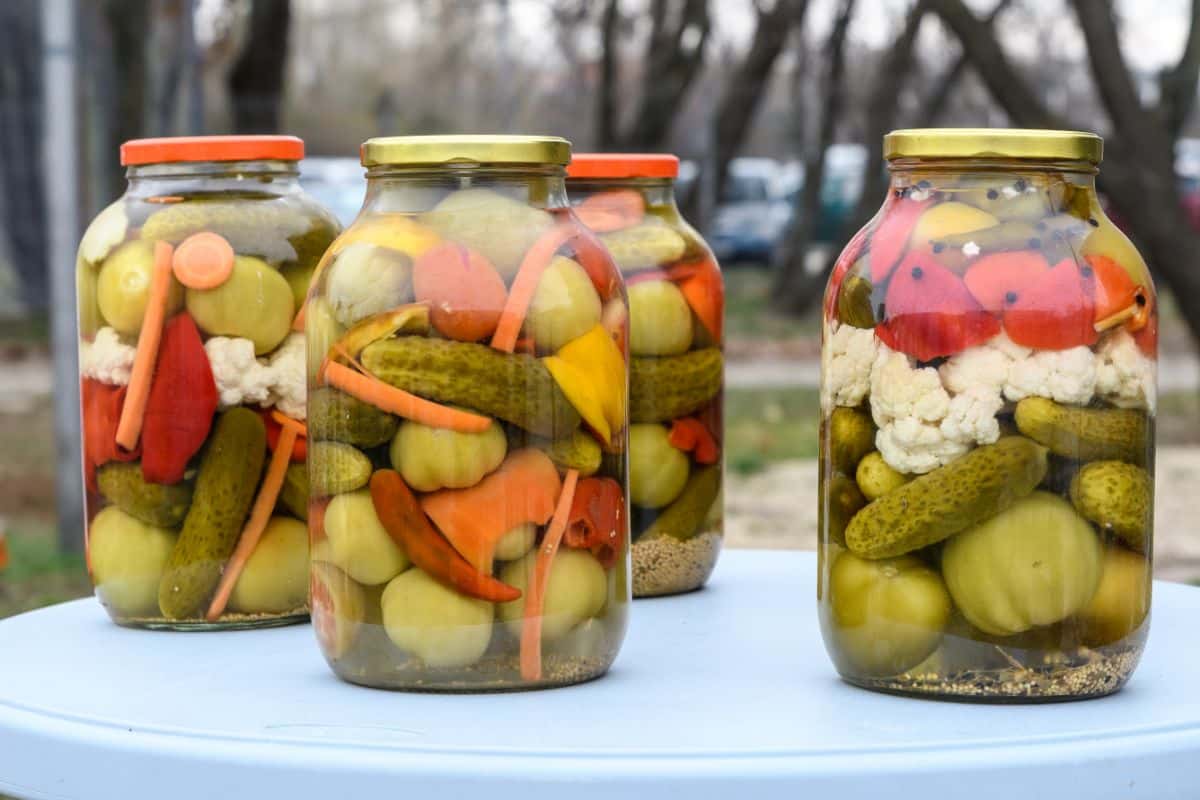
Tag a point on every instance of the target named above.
point(284, 420)
point(203, 260)
point(691, 435)
point(704, 291)
point(260, 515)
point(401, 403)
point(605, 212)
point(596, 262)
point(535, 596)
point(520, 295)
point(133, 413)
point(474, 519)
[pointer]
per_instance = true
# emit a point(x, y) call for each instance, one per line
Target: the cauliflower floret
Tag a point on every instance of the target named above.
point(240, 377)
point(898, 390)
point(985, 365)
point(972, 416)
point(106, 358)
point(288, 376)
point(847, 355)
point(365, 279)
point(911, 446)
point(1124, 376)
point(1065, 376)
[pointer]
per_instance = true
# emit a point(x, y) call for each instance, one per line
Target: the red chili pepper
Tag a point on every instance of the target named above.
point(403, 519)
point(101, 404)
point(693, 436)
point(596, 521)
point(182, 401)
point(299, 449)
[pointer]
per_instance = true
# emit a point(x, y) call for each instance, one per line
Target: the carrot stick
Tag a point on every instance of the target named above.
point(285, 421)
point(133, 413)
point(401, 403)
point(535, 597)
point(260, 515)
point(525, 284)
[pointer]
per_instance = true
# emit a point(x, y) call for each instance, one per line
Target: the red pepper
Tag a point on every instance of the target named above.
point(403, 519)
point(693, 436)
point(101, 404)
point(702, 287)
point(182, 401)
point(299, 449)
point(596, 521)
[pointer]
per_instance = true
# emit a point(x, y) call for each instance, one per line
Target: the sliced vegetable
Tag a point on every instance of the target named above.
point(181, 405)
point(597, 520)
point(531, 630)
point(1056, 312)
point(693, 436)
point(590, 370)
point(133, 412)
point(464, 291)
point(401, 403)
point(203, 260)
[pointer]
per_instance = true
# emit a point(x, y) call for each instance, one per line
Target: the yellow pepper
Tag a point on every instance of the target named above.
point(590, 370)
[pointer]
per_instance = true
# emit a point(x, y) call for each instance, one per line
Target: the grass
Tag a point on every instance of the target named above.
point(38, 574)
point(763, 426)
point(748, 318)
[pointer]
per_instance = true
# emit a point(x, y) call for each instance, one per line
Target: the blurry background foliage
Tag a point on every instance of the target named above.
point(777, 106)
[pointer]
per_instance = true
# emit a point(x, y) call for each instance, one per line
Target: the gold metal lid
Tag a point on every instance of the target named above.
point(994, 143)
point(465, 149)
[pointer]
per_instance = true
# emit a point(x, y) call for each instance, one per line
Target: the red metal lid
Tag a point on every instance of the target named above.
point(211, 148)
point(623, 165)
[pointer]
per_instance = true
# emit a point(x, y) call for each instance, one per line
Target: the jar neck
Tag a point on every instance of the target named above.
point(215, 177)
point(907, 172)
point(536, 186)
point(656, 191)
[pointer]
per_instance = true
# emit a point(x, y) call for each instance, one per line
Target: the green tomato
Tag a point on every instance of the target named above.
point(358, 543)
point(657, 470)
point(1035, 563)
point(254, 303)
point(499, 228)
point(366, 279)
point(86, 301)
point(123, 287)
point(1121, 601)
point(438, 625)
point(888, 615)
point(128, 557)
point(275, 578)
point(439, 458)
point(565, 305)
point(660, 320)
point(517, 542)
point(576, 590)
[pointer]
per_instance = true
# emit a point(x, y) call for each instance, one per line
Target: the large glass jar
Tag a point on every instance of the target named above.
point(677, 306)
point(192, 383)
point(468, 415)
point(987, 439)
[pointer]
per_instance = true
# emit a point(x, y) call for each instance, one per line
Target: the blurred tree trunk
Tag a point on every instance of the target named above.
point(606, 95)
point(1138, 175)
point(795, 286)
point(22, 206)
point(256, 80)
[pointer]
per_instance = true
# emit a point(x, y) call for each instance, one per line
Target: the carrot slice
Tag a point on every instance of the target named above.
point(133, 413)
point(203, 260)
point(520, 295)
point(256, 523)
point(535, 597)
point(401, 403)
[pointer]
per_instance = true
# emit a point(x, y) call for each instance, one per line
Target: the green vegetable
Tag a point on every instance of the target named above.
point(127, 557)
point(837, 505)
point(254, 303)
point(293, 495)
point(641, 246)
point(437, 625)
point(851, 437)
point(662, 389)
point(261, 228)
point(939, 504)
point(579, 451)
point(86, 287)
point(1118, 497)
point(564, 307)
point(657, 470)
point(123, 287)
point(163, 505)
point(358, 542)
point(275, 577)
point(225, 488)
point(685, 518)
point(854, 302)
point(438, 458)
point(366, 279)
point(497, 227)
point(876, 477)
point(337, 416)
point(336, 468)
point(576, 590)
point(1085, 434)
point(660, 320)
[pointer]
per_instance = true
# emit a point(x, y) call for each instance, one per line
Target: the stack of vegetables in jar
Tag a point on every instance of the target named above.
point(988, 389)
point(676, 304)
point(192, 383)
point(467, 410)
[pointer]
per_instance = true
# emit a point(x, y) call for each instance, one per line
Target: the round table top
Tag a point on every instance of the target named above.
point(722, 691)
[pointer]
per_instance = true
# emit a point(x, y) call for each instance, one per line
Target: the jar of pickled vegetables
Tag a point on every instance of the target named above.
point(676, 304)
point(987, 441)
point(468, 414)
point(192, 383)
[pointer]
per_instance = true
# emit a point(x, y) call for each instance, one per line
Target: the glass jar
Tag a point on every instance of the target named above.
point(191, 375)
point(987, 441)
point(468, 412)
point(677, 306)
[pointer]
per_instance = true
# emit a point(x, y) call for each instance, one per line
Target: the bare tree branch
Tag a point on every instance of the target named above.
point(1177, 85)
point(606, 96)
point(939, 97)
point(256, 81)
point(674, 53)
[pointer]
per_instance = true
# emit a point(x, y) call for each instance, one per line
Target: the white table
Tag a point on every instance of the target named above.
point(723, 693)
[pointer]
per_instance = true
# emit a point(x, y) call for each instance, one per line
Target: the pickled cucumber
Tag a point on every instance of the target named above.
point(516, 388)
point(1118, 497)
point(851, 436)
point(225, 487)
point(662, 389)
point(876, 477)
point(939, 504)
point(261, 228)
point(254, 303)
point(579, 451)
point(854, 303)
point(127, 557)
point(164, 505)
point(336, 468)
point(685, 518)
point(646, 245)
point(1085, 434)
point(336, 416)
point(837, 506)
point(293, 495)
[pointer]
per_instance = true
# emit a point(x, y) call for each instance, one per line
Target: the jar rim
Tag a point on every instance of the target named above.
point(168, 149)
point(463, 149)
point(623, 165)
point(1015, 143)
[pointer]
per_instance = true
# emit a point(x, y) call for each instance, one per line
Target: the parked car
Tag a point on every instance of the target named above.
point(336, 183)
point(753, 211)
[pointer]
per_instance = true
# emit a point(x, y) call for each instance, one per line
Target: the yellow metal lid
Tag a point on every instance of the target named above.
point(465, 149)
point(994, 143)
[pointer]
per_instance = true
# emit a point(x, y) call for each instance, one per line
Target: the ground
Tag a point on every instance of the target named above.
point(771, 425)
